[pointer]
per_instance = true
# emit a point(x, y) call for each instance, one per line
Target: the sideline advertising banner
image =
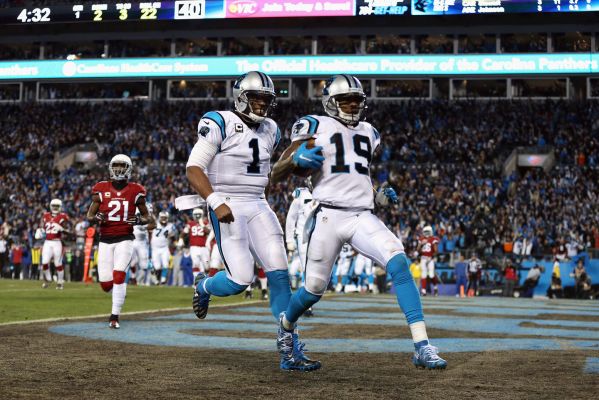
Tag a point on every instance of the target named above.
point(379, 65)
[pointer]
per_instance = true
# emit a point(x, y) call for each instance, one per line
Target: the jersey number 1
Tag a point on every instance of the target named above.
point(254, 167)
point(340, 166)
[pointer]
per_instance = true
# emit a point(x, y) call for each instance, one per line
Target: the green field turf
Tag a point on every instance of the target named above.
point(26, 300)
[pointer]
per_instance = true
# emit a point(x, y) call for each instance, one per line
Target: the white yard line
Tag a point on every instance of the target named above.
point(35, 321)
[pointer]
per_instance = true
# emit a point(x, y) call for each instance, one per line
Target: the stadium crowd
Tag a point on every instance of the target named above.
point(444, 158)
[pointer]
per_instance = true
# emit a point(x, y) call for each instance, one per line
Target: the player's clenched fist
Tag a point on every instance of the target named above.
point(100, 217)
point(224, 214)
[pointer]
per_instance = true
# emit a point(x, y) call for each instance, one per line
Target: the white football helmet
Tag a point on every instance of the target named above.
point(55, 206)
point(257, 84)
point(340, 86)
point(163, 217)
point(198, 214)
point(427, 231)
point(120, 172)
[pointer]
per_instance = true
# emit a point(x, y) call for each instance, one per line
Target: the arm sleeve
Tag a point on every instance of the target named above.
point(212, 128)
point(304, 128)
point(291, 221)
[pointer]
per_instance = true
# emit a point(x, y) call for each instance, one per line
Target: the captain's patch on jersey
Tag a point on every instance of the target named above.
point(238, 128)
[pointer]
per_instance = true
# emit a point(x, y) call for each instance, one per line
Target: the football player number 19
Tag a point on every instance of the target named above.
point(360, 142)
point(115, 208)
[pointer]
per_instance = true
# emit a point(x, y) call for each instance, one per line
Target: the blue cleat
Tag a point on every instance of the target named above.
point(427, 357)
point(200, 300)
point(291, 351)
point(298, 351)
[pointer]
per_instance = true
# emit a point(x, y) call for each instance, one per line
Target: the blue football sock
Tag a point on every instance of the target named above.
point(280, 291)
point(405, 288)
point(221, 286)
point(299, 303)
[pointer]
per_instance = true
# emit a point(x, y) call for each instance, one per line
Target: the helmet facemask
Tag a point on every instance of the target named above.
point(256, 105)
point(120, 170)
point(347, 107)
point(198, 215)
point(163, 217)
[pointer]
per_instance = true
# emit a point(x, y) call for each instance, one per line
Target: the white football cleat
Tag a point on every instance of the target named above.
point(113, 322)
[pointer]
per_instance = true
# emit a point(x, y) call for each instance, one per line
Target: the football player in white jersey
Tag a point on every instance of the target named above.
point(141, 247)
point(162, 236)
point(299, 210)
point(364, 270)
point(229, 167)
point(343, 148)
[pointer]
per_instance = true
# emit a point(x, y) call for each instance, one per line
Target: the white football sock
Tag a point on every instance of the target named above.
point(118, 297)
point(418, 330)
point(263, 283)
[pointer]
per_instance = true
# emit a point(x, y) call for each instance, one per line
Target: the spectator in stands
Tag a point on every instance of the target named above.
point(510, 275)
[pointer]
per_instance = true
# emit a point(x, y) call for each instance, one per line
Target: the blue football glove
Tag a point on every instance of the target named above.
point(386, 194)
point(308, 158)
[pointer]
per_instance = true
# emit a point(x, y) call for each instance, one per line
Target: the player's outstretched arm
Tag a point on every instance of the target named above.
point(283, 168)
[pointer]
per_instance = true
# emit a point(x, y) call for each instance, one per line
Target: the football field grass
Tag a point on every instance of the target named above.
point(26, 300)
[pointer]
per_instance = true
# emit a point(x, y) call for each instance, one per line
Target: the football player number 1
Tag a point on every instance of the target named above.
point(115, 208)
point(254, 167)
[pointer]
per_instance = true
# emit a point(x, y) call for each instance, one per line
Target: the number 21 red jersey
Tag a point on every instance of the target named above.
point(117, 205)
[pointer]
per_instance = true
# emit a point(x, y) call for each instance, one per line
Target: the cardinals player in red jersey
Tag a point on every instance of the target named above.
point(427, 246)
point(113, 208)
point(198, 230)
point(54, 223)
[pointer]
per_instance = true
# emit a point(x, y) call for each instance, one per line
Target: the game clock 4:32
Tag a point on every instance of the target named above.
point(35, 15)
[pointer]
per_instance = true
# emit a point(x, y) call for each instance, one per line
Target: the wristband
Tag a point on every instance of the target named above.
point(214, 200)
